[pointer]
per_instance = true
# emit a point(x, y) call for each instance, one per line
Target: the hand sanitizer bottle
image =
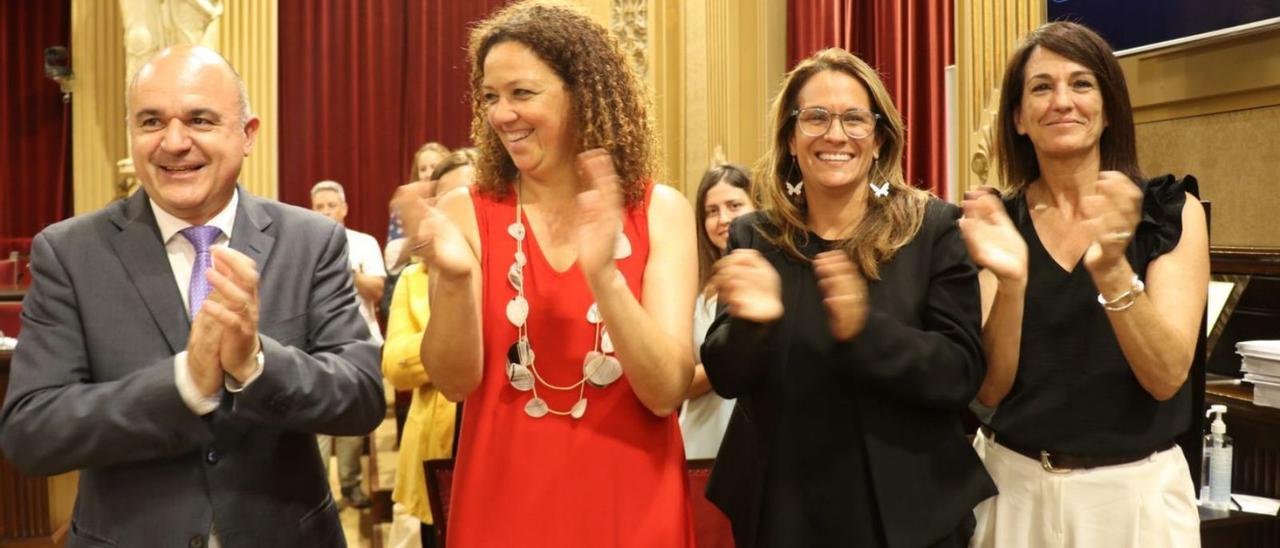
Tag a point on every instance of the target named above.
point(1215, 488)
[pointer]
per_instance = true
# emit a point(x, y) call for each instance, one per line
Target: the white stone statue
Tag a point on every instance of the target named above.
point(152, 25)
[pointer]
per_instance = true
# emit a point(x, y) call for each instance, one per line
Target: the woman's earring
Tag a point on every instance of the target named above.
point(882, 190)
point(796, 189)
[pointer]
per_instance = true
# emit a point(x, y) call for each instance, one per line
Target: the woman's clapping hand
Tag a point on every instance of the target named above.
point(748, 286)
point(993, 242)
point(1111, 216)
point(844, 293)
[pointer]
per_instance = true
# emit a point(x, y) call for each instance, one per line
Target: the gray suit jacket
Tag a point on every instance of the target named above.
point(93, 388)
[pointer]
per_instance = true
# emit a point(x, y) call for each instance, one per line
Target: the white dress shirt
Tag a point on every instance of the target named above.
point(365, 257)
point(182, 257)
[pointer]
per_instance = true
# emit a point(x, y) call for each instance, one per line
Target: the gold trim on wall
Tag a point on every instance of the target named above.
point(247, 36)
point(666, 78)
point(98, 137)
point(1209, 106)
point(732, 59)
point(1221, 73)
point(987, 31)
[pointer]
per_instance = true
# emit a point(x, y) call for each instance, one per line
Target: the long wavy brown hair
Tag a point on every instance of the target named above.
point(889, 223)
point(610, 107)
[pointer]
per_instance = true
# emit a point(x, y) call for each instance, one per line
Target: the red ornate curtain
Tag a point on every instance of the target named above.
point(362, 86)
point(35, 144)
point(910, 43)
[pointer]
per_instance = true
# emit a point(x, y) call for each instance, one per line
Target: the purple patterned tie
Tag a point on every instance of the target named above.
point(201, 238)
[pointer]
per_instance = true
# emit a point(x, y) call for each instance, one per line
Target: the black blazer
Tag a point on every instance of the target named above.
point(899, 386)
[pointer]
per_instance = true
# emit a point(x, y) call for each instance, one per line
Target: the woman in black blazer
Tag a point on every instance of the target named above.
point(849, 331)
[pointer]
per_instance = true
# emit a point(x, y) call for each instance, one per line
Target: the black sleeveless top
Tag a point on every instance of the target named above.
point(1074, 391)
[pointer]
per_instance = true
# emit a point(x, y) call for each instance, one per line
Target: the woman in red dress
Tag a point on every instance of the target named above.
point(561, 291)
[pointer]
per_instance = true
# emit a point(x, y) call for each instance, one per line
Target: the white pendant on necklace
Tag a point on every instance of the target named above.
point(524, 352)
point(520, 258)
point(579, 409)
point(520, 377)
point(606, 342)
point(516, 230)
point(601, 370)
point(621, 247)
point(516, 277)
point(536, 408)
point(593, 314)
point(517, 310)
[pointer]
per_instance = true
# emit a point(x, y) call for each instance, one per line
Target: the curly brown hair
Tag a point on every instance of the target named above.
point(609, 103)
point(888, 224)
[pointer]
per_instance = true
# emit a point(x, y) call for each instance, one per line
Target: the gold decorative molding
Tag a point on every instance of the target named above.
point(987, 31)
point(727, 66)
point(1209, 106)
point(1224, 71)
point(98, 132)
point(667, 80)
point(630, 24)
point(247, 35)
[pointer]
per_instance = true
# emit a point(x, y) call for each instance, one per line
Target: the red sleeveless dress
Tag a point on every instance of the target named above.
point(615, 477)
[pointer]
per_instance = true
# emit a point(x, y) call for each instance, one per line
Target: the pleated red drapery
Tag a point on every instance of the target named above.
point(35, 145)
point(362, 86)
point(910, 43)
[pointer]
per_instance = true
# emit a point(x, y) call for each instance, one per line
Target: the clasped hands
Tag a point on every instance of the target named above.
point(751, 289)
point(224, 333)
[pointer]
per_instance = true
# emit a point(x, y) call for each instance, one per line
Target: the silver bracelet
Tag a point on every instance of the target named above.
point(1126, 299)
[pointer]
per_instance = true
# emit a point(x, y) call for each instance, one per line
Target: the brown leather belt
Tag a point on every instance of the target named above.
point(1063, 462)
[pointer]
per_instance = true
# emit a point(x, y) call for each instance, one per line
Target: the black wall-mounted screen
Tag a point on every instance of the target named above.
point(1132, 23)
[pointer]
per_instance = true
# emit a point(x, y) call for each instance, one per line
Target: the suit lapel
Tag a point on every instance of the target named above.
point(249, 236)
point(144, 259)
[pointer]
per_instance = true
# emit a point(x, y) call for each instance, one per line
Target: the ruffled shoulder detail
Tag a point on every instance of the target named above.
point(1162, 201)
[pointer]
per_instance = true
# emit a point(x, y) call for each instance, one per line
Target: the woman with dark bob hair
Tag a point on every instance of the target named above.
point(1094, 284)
point(849, 333)
point(565, 277)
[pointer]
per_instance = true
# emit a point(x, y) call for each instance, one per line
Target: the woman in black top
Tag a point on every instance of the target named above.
point(847, 428)
point(1094, 284)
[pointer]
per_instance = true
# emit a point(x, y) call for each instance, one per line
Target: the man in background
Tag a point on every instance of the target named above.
point(365, 258)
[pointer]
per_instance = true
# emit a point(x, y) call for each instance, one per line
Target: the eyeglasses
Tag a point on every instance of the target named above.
point(816, 121)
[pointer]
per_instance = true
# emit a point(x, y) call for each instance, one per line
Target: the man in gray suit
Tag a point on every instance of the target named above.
point(182, 347)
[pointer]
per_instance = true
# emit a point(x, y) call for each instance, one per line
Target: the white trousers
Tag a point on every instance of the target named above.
point(1148, 503)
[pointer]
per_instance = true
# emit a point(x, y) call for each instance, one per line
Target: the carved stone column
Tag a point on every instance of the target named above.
point(630, 24)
